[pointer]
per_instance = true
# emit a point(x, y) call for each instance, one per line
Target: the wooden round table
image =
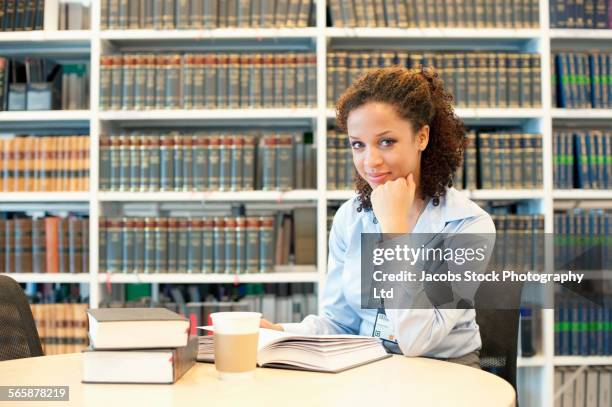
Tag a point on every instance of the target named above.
point(395, 381)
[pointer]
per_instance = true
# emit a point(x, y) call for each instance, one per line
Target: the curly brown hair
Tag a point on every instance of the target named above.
point(418, 95)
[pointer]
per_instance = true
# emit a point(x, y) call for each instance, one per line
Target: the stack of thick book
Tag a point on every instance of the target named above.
point(137, 345)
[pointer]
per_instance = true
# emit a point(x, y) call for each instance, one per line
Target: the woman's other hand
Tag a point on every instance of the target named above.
point(264, 323)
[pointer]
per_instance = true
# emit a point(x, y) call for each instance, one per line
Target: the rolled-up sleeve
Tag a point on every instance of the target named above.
point(419, 331)
point(337, 317)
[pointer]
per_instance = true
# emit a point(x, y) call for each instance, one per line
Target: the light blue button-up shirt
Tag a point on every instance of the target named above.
point(441, 333)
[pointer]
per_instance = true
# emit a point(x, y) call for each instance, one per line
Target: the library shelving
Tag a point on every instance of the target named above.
point(538, 369)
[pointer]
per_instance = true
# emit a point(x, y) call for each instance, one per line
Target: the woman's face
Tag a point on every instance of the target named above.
point(384, 145)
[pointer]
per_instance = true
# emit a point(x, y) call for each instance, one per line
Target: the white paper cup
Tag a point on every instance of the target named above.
point(236, 335)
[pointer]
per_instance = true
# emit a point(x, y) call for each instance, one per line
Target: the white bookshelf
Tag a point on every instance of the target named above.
point(539, 369)
point(50, 278)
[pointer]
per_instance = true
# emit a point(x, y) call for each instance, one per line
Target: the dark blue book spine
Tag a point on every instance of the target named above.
point(575, 320)
point(563, 80)
point(590, 162)
point(593, 324)
point(565, 328)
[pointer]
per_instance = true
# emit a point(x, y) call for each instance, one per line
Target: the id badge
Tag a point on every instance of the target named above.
point(382, 327)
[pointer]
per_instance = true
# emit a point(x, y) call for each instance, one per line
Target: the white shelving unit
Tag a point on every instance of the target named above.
point(539, 369)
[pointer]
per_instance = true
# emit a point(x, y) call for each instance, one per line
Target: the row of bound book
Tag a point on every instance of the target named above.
point(211, 80)
point(62, 328)
point(44, 245)
point(582, 158)
point(220, 245)
point(41, 84)
point(340, 167)
point(44, 163)
point(475, 79)
point(583, 328)
point(582, 80)
point(581, 239)
point(580, 14)
point(501, 161)
point(438, 13)
point(198, 14)
point(22, 15)
point(206, 160)
point(590, 386)
point(519, 243)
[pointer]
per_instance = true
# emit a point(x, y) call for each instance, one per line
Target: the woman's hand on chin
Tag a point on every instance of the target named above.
point(391, 203)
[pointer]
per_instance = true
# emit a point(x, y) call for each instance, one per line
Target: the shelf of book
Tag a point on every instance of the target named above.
point(44, 196)
point(581, 114)
point(485, 113)
point(283, 274)
point(582, 360)
point(207, 114)
point(219, 33)
point(532, 361)
point(433, 33)
point(45, 116)
point(580, 34)
point(66, 36)
point(578, 194)
point(49, 277)
point(241, 196)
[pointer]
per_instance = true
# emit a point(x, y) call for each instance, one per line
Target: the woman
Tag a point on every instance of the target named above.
point(406, 143)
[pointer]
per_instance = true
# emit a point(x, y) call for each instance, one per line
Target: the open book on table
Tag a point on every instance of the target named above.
point(318, 353)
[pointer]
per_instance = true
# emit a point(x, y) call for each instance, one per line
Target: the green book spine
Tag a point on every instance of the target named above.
point(223, 81)
point(194, 254)
point(150, 226)
point(218, 245)
point(182, 245)
point(150, 78)
point(127, 252)
point(252, 245)
point(173, 231)
point(214, 163)
point(138, 245)
point(236, 162)
point(113, 246)
point(166, 162)
point(256, 87)
point(208, 256)
point(266, 244)
point(187, 147)
point(269, 174)
point(331, 160)
point(290, 79)
point(209, 89)
point(116, 82)
point(240, 262)
point(106, 65)
point(243, 18)
point(536, 81)
point(122, 18)
point(267, 87)
point(200, 162)
point(245, 69)
point(230, 245)
point(154, 163)
point(284, 163)
point(134, 173)
point(161, 65)
point(124, 163)
point(177, 162)
point(248, 164)
point(311, 79)
point(188, 86)
point(225, 164)
point(472, 79)
point(105, 163)
point(140, 84)
point(525, 80)
point(300, 80)
point(144, 152)
point(102, 245)
point(513, 80)
point(484, 158)
point(200, 69)
point(298, 160)
point(161, 245)
point(114, 179)
point(173, 82)
point(233, 82)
